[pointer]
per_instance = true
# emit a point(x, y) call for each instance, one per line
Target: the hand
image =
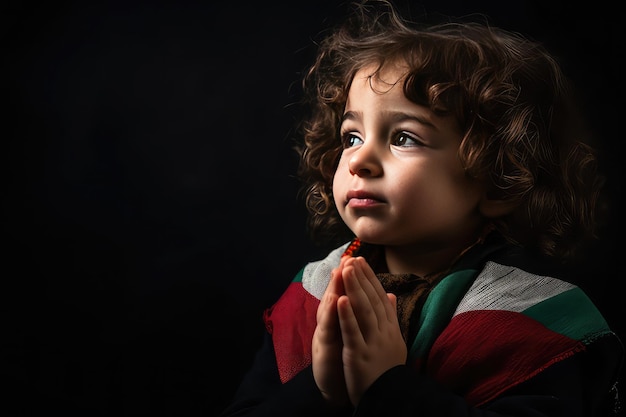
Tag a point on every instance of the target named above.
point(327, 345)
point(370, 331)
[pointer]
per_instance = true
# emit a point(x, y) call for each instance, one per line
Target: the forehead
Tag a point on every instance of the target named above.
point(380, 90)
point(382, 79)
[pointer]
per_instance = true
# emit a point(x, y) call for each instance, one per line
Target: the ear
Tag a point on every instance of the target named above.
point(493, 208)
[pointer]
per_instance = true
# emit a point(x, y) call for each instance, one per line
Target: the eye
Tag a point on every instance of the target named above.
point(350, 139)
point(405, 139)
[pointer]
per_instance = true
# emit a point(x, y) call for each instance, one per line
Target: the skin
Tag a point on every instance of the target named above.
point(358, 336)
point(400, 184)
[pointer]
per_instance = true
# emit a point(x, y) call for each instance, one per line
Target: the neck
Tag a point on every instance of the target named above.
point(424, 259)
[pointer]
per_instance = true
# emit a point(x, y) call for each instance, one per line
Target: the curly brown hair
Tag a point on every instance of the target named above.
point(509, 96)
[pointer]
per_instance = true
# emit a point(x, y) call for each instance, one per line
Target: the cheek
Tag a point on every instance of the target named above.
point(341, 172)
point(457, 193)
point(338, 191)
point(437, 187)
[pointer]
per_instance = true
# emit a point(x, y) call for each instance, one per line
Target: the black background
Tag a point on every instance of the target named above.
point(150, 210)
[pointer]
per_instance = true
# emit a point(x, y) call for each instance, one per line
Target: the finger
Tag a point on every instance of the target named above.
point(377, 292)
point(327, 320)
point(369, 281)
point(392, 308)
point(367, 309)
point(335, 285)
point(351, 334)
point(370, 287)
point(393, 300)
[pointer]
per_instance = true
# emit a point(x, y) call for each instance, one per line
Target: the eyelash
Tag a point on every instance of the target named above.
point(348, 137)
point(413, 138)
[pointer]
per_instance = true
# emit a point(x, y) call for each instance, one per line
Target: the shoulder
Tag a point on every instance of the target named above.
point(316, 275)
point(557, 304)
point(504, 287)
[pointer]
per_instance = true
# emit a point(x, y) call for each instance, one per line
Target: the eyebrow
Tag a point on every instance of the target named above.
point(394, 116)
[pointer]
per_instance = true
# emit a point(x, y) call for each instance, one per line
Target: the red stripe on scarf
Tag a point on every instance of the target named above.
point(291, 322)
point(486, 352)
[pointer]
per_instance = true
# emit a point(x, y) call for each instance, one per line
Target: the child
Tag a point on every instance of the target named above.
point(444, 162)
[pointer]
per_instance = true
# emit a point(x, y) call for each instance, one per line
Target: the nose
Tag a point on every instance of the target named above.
point(365, 161)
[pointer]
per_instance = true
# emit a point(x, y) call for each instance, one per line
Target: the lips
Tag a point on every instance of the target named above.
point(362, 199)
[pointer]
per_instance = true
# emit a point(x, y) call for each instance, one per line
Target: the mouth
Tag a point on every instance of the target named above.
point(362, 199)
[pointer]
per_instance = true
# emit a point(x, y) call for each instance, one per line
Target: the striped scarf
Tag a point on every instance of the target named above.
point(480, 329)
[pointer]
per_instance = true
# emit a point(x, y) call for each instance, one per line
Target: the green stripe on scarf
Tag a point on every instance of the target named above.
point(587, 323)
point(298, 277)
point(438, 310)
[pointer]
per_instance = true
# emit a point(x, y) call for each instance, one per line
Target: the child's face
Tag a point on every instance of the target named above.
point(399, 181)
